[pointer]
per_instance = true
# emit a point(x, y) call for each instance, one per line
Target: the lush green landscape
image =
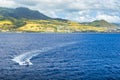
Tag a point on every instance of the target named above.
point(26, 20)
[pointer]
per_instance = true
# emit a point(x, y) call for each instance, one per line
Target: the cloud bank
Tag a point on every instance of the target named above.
point(76, 10)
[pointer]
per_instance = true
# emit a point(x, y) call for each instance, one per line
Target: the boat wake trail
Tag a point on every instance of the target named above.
point(24, 59)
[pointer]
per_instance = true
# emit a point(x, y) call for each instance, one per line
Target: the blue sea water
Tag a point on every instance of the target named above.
point(59, 56)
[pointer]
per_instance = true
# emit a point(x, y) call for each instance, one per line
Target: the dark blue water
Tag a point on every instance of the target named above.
point(72, 57)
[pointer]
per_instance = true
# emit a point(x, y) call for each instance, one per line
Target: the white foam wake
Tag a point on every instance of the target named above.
point(24, 59)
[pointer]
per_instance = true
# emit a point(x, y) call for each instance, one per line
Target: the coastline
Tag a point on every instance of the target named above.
point(61, 32)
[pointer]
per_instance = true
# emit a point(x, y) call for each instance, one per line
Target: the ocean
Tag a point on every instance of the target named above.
point(57, 56)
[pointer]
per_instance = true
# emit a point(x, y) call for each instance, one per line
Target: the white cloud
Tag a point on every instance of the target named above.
point(71, 4)
point(7, 3)
point(108, 18)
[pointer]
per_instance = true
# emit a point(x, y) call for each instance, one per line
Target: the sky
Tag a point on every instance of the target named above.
point(76, 10)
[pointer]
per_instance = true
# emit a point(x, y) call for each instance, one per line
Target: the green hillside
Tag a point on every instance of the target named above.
point(22, 12)
point(26, 20)
point(101, 23)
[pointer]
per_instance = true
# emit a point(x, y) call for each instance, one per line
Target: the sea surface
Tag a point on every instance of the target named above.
point(48, 56)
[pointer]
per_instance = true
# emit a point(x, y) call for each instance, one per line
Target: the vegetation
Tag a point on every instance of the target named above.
point(57, 26)
point(26, 20)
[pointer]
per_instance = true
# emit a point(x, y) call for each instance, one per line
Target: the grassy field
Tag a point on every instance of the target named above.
point(48, 26)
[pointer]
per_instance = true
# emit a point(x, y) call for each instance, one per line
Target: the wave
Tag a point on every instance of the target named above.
point(24, 59)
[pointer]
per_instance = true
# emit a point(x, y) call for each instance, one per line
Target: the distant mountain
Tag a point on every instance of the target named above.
point(4, 12)
point(117, 24)
point(101, 23)
point(22, 12)
point(110, 27)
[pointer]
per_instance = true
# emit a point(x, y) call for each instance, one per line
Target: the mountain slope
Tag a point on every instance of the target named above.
point(101, 23)
point(22, 12)
point(117, 24)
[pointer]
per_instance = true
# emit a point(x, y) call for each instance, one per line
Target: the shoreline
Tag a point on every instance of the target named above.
point(61, 32)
